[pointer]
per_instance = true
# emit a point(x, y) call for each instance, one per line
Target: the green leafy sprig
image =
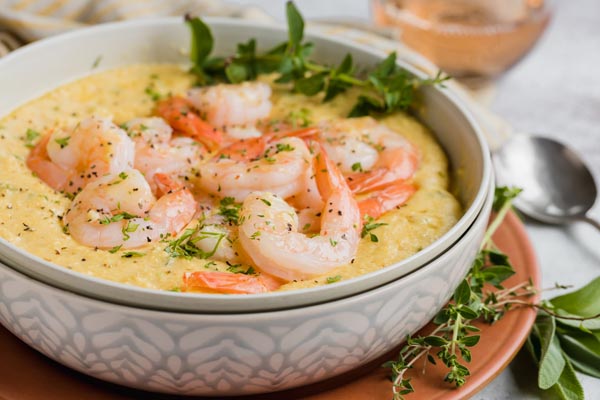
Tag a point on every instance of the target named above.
point(481, 296)
point(388, 88)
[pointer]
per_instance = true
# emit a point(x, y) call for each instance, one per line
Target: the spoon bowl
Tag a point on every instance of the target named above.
point(558, 188)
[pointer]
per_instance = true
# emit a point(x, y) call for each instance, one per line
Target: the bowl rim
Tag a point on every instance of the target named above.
point(237, 302)
point(240, 317)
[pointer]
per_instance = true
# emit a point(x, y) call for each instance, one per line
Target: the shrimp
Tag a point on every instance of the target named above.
point(183, 118)
point(246, 169)
point(269, 229)
point(157, 151)
point(120, 210)
point(233, 105)
point(370, 154)
point(379, 202)
point(67, 160)
point(227, 282)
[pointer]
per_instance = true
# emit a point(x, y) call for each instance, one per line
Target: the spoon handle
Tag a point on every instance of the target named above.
point(591, 221)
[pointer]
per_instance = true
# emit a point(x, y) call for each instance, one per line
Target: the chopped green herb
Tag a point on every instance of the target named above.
point(97, 62)
point(186, 244)
point(230, 210)
point(123, 175)
point(175, 289)
point(239, 269)
point(284, 147)
point(115, 249)
point(63, 142)
point(117, 217)
point(267, 202)
point(30, 136)
point(151, 91)
point(255, 235)
point(370, 225)
point(357, 167)
point(333, 279)
point(131, 254)
point(333, 242)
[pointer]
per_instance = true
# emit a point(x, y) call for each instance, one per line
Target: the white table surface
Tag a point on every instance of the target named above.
point(554, 91)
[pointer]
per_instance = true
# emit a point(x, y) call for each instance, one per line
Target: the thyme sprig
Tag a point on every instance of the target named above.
point(481, 296)
point(386, 89)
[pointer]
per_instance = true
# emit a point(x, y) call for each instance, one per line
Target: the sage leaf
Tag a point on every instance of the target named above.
point(583, 350)
point(568, 386)
point(552, 362)
point(584, 302)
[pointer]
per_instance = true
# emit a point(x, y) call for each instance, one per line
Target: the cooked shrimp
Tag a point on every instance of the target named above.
point(182, 117)
point(246, 169)
point(269, 229)
point(369, 153)
point(120, 210)
point(383, 200)
point(218, 238)
point(67, 160)
point(157, 151)
point(230, 105)
point(227, 282)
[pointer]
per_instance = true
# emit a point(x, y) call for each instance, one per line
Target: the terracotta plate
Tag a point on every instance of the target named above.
point(26, 374)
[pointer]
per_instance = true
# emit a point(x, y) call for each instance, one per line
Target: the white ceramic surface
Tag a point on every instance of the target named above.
point(70, 56)
point(230, 354)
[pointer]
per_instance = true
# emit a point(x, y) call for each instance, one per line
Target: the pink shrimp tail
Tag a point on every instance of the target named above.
point(39, 162)
point(379, 202)
point(179, 113)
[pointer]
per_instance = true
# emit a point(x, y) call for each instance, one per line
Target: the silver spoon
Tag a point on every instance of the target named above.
point(557, 186)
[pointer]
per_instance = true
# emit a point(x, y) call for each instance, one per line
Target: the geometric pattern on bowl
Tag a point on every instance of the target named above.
point(230, 354)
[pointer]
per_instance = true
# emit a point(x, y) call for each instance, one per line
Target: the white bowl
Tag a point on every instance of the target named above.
point(231, 354)
point(24, 76)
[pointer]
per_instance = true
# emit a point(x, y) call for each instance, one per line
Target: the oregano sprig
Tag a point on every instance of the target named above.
point(386, 89)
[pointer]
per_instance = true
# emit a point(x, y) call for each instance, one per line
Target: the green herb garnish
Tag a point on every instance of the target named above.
point(230, 210)
point(368, 226)
point(186, 244)
point(117, 217)
point(333, 279)
point(239, 269)
point(30, 136)
point(63, 142)
point(566, 335)
point(132, 254)
point(357, 166)
point(388, 88)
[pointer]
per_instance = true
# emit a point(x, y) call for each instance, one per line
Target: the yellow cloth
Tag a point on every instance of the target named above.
point(35, 19)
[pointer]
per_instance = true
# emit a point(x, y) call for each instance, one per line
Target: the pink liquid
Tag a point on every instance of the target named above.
point(466, 38)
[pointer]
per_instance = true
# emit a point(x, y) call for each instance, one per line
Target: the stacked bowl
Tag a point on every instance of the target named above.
point(201, 344)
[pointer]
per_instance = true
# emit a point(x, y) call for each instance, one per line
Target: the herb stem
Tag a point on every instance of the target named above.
point(487, 238)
